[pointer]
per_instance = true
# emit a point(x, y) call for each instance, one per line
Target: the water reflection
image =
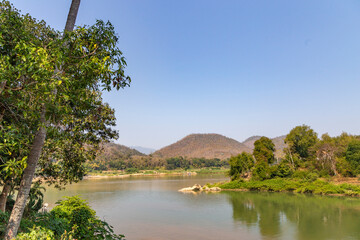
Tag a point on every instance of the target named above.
point(299, 217)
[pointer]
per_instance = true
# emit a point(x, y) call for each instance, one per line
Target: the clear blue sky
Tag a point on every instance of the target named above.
point(237, 68)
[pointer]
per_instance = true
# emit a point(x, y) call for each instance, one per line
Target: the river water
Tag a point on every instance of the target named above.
point(147, 208)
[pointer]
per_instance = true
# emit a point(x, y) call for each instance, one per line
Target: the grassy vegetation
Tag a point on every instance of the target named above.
point(318, 186)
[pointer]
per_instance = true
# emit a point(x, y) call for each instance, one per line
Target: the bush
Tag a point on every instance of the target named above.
point(82, 220)
point(50, 221)
point(305, 175)
point(36, 233)
point(344, 168)
point(324, 173)
point(261, 171)
point(284, 170)
point(132, 170)
point(293, 185)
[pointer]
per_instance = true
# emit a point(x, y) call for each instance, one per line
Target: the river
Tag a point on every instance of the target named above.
point(149, 208)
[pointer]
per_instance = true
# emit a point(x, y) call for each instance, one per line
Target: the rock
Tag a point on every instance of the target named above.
point(198, 188)
point(195, 188)
point(206, 188)
point(187, 189)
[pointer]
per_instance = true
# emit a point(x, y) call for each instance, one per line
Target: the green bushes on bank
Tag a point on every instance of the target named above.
point(293, 185)
point(71, 219)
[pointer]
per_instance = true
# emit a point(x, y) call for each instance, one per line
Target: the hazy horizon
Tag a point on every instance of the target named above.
point(235, 68)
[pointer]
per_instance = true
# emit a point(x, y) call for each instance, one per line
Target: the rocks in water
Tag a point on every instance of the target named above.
point(195, 188)
point(212, 189)
point(199, 188)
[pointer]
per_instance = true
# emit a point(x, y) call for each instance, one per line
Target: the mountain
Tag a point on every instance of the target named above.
point(249, 142)
point(117, 151)
point(279, 146)
point(203, 145)
point(144, 150)
point(278, 142)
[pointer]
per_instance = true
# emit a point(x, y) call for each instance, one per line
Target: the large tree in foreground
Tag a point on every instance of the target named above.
point(51, 90)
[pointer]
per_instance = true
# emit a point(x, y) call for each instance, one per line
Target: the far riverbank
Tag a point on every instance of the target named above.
point(123, 174)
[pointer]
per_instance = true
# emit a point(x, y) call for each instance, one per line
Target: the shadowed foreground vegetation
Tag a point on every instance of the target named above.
point(72, 218)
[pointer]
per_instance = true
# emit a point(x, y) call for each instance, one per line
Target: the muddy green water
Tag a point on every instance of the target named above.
point(151, 208)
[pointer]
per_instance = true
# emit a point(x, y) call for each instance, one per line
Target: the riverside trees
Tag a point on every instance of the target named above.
point(50, 96)
point(306, 156)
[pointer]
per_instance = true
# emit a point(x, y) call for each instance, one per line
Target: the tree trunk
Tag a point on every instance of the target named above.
point(2, 86)
point(2, 112)
point(35, 152)
point(4, 194)
point(71, 19)
point(25, 185)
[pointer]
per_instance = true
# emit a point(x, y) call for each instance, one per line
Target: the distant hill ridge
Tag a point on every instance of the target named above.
point(144, 150)
point(115, 151)
point(213, 146)
point(208, 145)
point(249, 142)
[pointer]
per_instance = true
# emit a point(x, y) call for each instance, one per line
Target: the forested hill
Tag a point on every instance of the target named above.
point(203, 146)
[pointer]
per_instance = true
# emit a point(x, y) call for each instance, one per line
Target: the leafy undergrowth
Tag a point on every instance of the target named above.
point(293, 185)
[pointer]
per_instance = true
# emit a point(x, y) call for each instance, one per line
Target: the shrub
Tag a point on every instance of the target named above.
point(284, 170)
point(261, 171)
point(50, 221)
point(305, 175)
point(132, 170)
point(82, 220)
point(344, 168)
point(36, 233)
point(324, 173)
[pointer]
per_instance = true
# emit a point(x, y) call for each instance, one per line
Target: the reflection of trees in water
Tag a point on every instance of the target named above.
point(312, 217)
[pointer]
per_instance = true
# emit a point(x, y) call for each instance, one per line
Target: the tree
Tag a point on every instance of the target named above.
point(353, 155)
point(300, 140)
point(264, 150)
point(326, 156)
point(52, 93)
point(240, 165)
point(326, 151)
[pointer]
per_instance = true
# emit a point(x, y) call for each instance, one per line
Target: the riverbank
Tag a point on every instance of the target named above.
point(319, 186)
point(180, 172)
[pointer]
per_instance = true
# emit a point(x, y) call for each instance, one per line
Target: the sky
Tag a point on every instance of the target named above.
point(237, 68)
